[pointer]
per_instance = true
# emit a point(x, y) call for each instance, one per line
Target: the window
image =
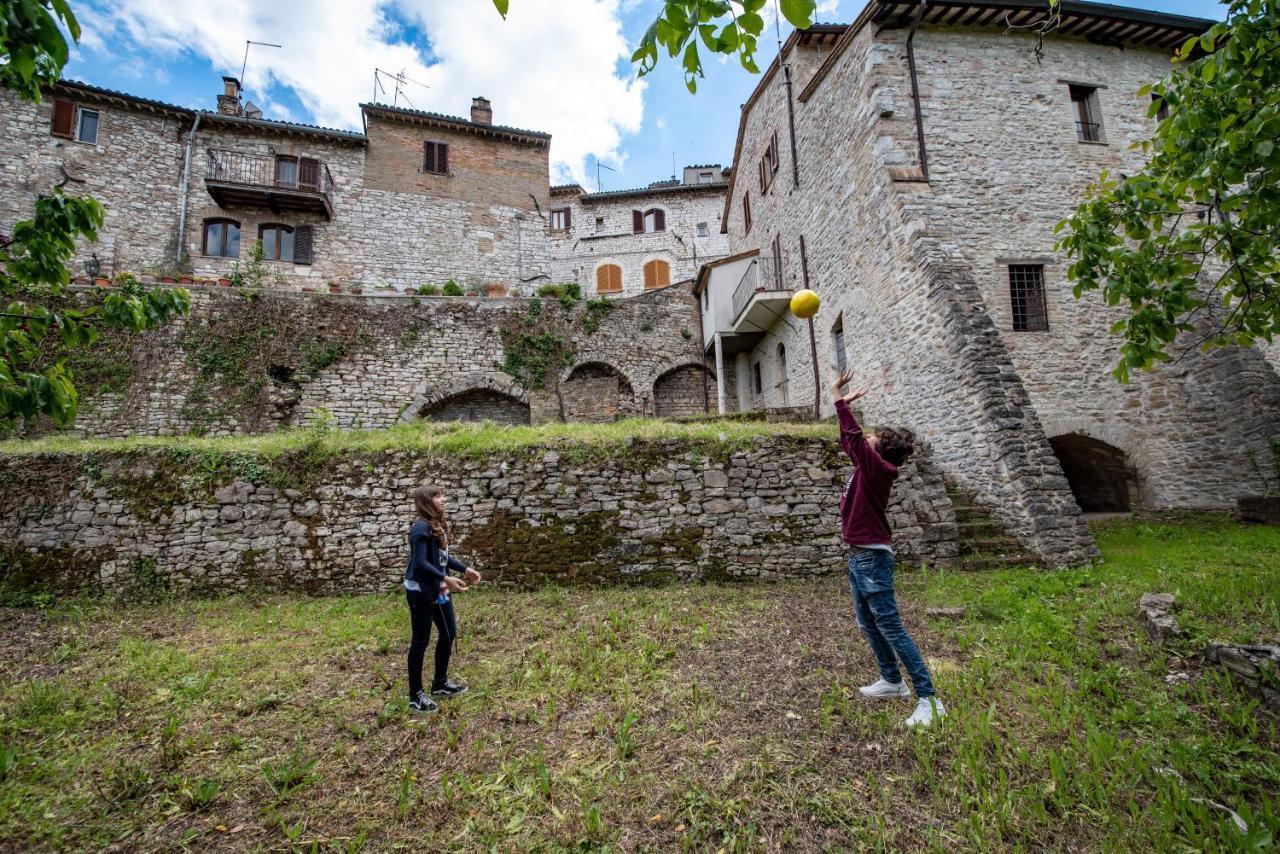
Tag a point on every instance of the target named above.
point(221, 238)
point(757, 379)
point(706, 178)
point(837, 342)
point(1084, 101)
point(599, 224)
point(87, 126)
point(277, 242)
point(1027, 298)
point(768, 166)
point(647, 222)
point(782, 372)
point(609, 279)
point(286, 171)
point(777, 262)
point(657, 274)
point(435, 158)
point(702, 230)
point(560, 219)
point(746, 213)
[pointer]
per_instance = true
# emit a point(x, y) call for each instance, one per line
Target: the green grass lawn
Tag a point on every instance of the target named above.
point(699, 717)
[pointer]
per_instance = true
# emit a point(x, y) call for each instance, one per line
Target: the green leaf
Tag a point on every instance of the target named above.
point(502, 6)
point(799, 13)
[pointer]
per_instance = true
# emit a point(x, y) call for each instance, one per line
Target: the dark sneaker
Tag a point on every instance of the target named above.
point(447, 689)
point(422, 703)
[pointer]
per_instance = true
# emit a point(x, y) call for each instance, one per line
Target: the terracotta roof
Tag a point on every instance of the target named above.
point(284, 127)
point(113, 95)
point(439, 119)
point(608, 195)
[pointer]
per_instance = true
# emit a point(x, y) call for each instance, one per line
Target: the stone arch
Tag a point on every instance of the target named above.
point(472, 397)
point(595, 390)
point(681, 389)
point(1104, 467)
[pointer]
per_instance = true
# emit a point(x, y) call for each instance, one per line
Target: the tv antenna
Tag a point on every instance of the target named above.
point(400, 79)
point(599, 166)
point(245, 64)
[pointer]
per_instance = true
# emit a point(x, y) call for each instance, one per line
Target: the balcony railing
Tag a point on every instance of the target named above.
point(1089, 131)
point(280, 183)
point(757, 278)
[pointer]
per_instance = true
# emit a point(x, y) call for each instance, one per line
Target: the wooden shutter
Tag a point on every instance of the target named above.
point(746, 213)
point(764, 175)
point(659, 220)
point(568, 218)
point(64, 119)
point(309, 173)
point(302, 244)
point(442, 157)
point(428, 157)
point(637, 221)
point(662, 274)
point(773, 152)
point(609, 279)
point(648, 276)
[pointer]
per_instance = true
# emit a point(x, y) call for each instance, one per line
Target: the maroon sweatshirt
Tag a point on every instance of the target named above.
point(862, 503)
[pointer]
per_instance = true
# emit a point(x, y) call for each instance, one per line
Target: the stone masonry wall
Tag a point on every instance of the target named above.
point(234, 365)
point(578, 252)
point(649, 511)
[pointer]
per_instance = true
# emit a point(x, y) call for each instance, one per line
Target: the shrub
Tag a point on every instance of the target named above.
point(429, 290)
point(452, 289)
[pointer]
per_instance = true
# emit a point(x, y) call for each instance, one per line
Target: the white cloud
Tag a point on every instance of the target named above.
point(551, 66)
point(660, 123)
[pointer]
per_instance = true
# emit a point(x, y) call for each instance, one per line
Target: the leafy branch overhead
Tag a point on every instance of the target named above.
point(1189, 245)
point(724, 28)
point(35, 340)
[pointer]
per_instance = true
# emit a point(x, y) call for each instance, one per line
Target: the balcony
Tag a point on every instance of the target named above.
point(759, 299)
point(299, 184)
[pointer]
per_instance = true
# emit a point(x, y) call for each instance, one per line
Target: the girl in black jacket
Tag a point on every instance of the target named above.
point(427, 584)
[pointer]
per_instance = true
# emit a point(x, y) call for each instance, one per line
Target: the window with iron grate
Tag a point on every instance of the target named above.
point(1027, 298)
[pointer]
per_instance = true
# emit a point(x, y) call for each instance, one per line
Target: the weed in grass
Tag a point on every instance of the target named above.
point(404, 794)
point(624, 740)
point(128, 780)
point(8, 760)
point(201, 794)
point(384, 645)
point(291, 773)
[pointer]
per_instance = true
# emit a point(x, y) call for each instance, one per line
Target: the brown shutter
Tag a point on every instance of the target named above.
point(309, 173)
point(637, 221)
point(428, 157)
point(663, 273)
point(659, 220)
point(773, 152)
point(568, 218)
point(648, 276)
point(442, 157)
point(302, 243)
point(64, 118)
point(602, 280)
point(760, 170)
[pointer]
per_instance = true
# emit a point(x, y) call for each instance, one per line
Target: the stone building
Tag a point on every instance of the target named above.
point(625, 242)
point(910, 168)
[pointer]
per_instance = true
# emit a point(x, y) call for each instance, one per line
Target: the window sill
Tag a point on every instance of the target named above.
point(1092, 142)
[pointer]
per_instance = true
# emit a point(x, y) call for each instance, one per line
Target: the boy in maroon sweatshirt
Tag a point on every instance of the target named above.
point(865, 529)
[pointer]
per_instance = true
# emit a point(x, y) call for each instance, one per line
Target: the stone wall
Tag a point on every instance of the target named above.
point(242, 364)
point(579, 251)
point(185, 520)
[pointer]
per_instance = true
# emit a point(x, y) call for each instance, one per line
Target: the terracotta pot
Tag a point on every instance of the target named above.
point(168, 280)
point(307, 290)
point(102, 282)
point(224, 282)
point(187, 280)
point(494, 289)
point(356, 290)
point(335, 289)
point(147, 279)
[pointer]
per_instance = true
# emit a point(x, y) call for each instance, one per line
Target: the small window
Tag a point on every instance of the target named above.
point(221, 238)
point(1084, 101)
point(560, 218)
point(277, 242)
point(837, 342)
point(1027, 298)
point(435, 158)
point(599, 224)
point(609, 279)
point(777, 262)
point(87, 126)
point(706, 178)
point(657, 274)
point(702, 230)
point(286, 171)
point(757, 378)
point(746, 213)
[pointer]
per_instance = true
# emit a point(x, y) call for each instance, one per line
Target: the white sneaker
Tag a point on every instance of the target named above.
point(882, 690)
point(927, 710)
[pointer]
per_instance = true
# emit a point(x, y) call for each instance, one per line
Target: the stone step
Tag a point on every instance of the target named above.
point(977, 529)
point(978, 562)
point(995, 546)
point(971, 513)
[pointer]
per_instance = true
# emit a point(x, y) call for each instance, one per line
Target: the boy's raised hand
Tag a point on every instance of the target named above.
point(843, 380)
point(855, 394)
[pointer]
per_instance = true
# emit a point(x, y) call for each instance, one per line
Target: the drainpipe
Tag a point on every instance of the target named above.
point(702, 354)
point(182, 192)
point(791, 126)
point(915, 89)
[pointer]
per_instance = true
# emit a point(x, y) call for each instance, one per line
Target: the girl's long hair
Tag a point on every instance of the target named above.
point(424, 503)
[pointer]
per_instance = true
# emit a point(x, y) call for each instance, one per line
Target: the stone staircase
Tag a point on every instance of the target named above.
point(984, 543)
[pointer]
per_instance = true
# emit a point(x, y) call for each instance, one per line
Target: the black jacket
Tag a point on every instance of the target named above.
point(424, 558)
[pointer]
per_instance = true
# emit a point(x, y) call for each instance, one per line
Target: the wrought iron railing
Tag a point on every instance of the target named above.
point(759, 276)
point(1089, 131)
point(303, 174)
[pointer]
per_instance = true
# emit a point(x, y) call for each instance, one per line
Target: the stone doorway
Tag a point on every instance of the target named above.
point(478, 404)
point(1099, 476)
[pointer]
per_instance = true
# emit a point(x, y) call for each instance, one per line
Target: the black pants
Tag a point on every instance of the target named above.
point(423, 611)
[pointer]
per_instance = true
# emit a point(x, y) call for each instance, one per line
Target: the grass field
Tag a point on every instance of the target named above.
point(695, 717)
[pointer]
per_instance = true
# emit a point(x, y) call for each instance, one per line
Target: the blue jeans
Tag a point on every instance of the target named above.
point(871, 580)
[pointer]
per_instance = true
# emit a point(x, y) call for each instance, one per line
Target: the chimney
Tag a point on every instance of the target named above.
point(229, 100)
point(481, 111)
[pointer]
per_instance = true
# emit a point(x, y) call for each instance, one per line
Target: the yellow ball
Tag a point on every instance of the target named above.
point(804, 304)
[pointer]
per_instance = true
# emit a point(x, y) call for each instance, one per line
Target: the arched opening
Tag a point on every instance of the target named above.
point(477, 404)
point(1096, 472)
point(595, 391)
point(681, 391)
point(657, 274)
point(782, 374)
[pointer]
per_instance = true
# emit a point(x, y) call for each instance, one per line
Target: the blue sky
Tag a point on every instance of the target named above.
point(554, 65)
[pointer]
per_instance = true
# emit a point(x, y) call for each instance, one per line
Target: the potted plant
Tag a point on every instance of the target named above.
point(429, 290)
point(102, 281)
point(494, 290)
point(168, 280)
point(187, 280)
point(355, 289)
point(452, 289)
point(1264, 508)
point(334, 287)
point(307, 289)
point(223, 281)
